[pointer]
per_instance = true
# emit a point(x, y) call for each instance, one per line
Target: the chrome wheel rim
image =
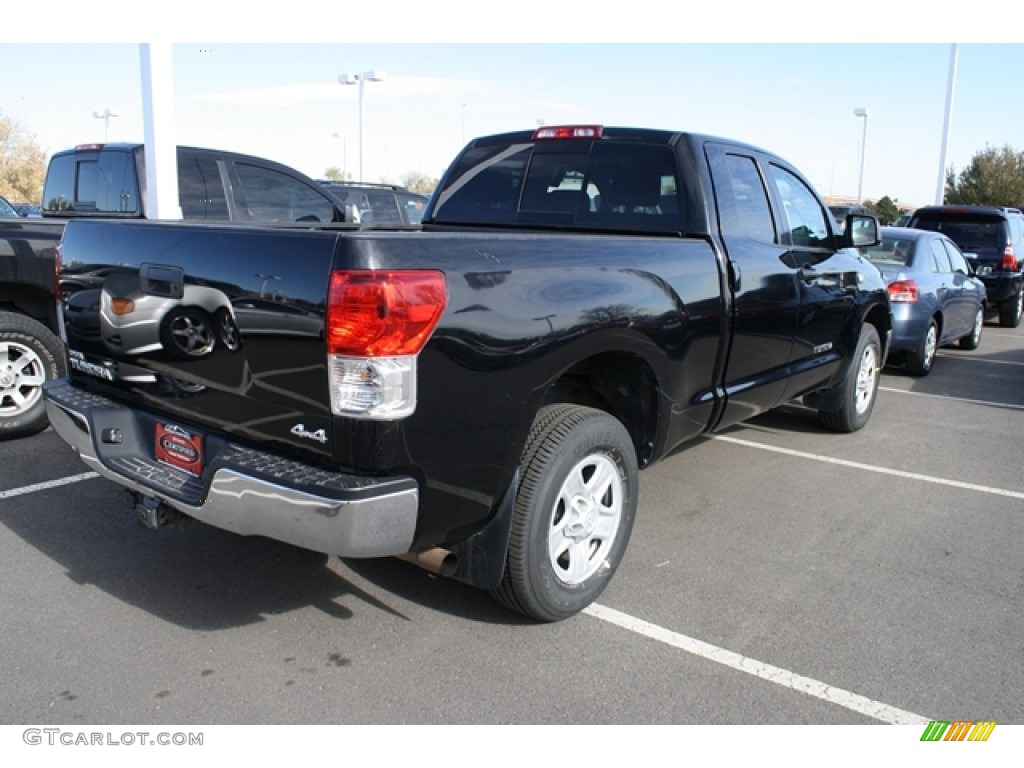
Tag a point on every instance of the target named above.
point(867, 377)
point(979, 322)
point(931, 344)
point(192, 335)
point(21, 378)
point(586, 518)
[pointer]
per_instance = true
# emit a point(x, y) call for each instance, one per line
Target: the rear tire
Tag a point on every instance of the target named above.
point(919, 361)
point(574, 512)
point(973, 339)
point(1010, 311)
point(860, 387)
point(29, 356)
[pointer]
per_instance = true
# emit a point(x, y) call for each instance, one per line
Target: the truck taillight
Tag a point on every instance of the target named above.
point(1009, 258)
point(568, 132)
point(377, 322)
point(903, 291)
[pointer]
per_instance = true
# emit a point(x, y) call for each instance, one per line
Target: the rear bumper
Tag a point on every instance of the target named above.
point(248, 492)
point(1001, 287)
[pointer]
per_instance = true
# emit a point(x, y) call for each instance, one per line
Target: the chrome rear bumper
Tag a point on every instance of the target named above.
point(248, 492)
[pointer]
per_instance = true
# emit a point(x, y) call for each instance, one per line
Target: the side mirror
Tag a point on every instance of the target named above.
point(861, 231)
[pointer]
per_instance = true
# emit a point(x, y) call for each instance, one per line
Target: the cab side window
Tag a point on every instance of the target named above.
point(805, 224)
point(270, 195)
point(743, 205)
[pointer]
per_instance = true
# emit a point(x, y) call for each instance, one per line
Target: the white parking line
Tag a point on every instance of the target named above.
point(979, 359)
point(872, 468)
point(852, 701)
point(48, 484)
point(955, 399)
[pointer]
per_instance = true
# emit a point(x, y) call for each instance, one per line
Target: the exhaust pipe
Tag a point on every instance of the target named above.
point(441, 562)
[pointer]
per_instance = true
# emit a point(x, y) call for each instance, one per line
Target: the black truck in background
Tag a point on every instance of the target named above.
point(478, 396)
point(108, 181)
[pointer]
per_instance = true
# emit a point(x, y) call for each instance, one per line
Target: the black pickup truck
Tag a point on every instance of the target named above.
point(477, 396)
point(107, 181)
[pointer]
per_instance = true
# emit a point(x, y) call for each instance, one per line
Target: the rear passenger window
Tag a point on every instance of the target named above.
point(270, 195)
point(940, 259)
point(956, 259)
point(742, 201)
point(200, 190)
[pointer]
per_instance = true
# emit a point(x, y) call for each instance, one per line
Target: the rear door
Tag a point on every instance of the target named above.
point(765, 290)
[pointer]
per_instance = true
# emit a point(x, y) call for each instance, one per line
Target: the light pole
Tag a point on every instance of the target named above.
point(940, 187)
point(862, 112)
point(373, 77)
point(105, 116)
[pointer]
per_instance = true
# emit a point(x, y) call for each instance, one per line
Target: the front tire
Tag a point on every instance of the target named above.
point(574, 512)
point(29, 356)
point(860, 387)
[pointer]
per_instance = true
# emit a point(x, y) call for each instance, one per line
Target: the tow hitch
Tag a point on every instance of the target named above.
point(152, 512)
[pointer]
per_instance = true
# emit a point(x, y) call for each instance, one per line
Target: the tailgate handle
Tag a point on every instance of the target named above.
point(162, 280)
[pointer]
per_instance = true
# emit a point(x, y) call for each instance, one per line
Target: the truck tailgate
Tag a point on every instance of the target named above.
point(202, 324)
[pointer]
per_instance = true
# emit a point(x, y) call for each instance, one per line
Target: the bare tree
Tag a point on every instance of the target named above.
point(415, 181)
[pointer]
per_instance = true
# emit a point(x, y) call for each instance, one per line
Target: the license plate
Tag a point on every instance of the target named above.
point(179, 448)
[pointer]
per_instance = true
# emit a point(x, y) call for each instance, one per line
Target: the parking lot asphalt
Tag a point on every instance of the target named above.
point(778, 574)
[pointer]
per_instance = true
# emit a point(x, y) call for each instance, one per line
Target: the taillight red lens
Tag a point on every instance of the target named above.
point(383, 314)
point(568, 132)
point(1009, 258)
point(904, 291)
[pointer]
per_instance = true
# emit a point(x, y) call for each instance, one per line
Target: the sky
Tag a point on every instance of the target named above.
point(269, 87)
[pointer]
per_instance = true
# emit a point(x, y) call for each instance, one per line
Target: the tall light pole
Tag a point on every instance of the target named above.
point(105, 116)
point(862, 112)
point(940, 188)
point(374, 77)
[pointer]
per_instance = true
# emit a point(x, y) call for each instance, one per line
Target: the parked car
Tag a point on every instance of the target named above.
point(380, 203)
point(996, 237)
point(935, 298)
point(7, 210)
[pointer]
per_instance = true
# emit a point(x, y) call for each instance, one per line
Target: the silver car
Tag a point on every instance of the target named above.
point(134, 322)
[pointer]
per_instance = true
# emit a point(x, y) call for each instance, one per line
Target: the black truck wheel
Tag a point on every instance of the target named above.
point(860, 388)
point(29, 355)
point(574, 512)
